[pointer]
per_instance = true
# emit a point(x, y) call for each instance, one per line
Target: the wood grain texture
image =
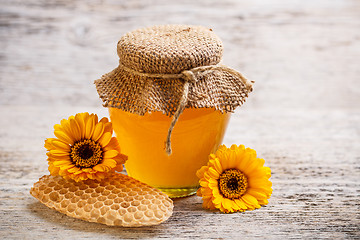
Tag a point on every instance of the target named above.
point(303, 117)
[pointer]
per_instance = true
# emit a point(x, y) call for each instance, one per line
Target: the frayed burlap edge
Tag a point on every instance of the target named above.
point(216, 86)
point(212, 88)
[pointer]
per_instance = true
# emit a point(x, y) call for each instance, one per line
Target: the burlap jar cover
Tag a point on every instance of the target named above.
point(171, 67)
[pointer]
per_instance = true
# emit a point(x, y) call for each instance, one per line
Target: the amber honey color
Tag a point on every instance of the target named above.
point(197, 133)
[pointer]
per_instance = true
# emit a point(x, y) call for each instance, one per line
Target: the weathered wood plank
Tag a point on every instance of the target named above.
point(302, 118)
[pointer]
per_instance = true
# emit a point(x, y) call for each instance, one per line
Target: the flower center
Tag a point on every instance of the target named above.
point(86, 153)
point(233, 183)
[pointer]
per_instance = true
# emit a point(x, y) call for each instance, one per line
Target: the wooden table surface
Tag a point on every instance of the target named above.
point(303, 117)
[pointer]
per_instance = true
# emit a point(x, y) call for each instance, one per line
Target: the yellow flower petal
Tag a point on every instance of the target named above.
point(105, 139)
point(56, 152)
point(258, 182)
point(100, 168)
point(89, 127)
point(75, 129)
point(110, 162)
point(213, 173)
point(99, 129)
point(256, 194)
point(110, 154)
point(64, 137)
point(217, 166)
point(250, 200)
point(112, 143)
point(240, 204)
point(61, 145)
point(201, 171)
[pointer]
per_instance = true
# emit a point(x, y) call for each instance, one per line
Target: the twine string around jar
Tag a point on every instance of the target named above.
point(189, 76)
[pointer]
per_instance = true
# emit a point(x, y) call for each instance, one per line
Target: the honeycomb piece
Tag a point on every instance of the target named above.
point(117, 200)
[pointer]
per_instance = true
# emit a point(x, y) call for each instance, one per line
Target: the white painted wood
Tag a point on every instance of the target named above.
point(303, 117)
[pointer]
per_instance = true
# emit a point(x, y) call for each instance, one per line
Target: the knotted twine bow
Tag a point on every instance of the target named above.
point(189, 77)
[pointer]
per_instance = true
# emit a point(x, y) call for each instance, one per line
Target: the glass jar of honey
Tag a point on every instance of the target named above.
point(170, 102)
point(198, 132)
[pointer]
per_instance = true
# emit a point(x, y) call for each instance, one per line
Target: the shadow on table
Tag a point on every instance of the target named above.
point(61, 221)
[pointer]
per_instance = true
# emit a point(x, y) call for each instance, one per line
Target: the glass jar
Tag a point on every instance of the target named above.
point(197, 133)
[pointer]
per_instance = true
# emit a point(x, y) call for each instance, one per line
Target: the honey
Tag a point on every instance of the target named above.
point(197, 133)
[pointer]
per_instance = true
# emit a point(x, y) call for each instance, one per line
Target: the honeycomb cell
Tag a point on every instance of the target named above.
point(81, 204)
point(69, 195)
point(159, 214)
point(62, 191)
point(139, 197)
point(117, 200)
point(122, 211)
point(95, 213)
point(85, 196)
point(48, 190)
point(98, 204)
point(138, 215)
point(109, 187)
point(91, 201)
point(132, 209)
point(128, 217)
point(79, 192)
point(106, 192)
point(112, 196)
point(88, 208)
point(75, 199)
point(94, 195)
point(115, 207)
point(111, 215)
point(101, 198)
point(89, 190)
point(167, 204)
point(104, 210)
point(51, 184)
point(125, 204)
point(116, 191)
point(93, 185)
point(54, 196)
point(65, 203)
point(149, 213)
point(122, 195)
point(142, 208)
point(129, 199)
point(83, 187)
point(136, 189)
point(45, 198)
point(99, 189)
point(61, 181)
point(132, 193)
point(149, 197)
point(145, 202)
point(71, 207)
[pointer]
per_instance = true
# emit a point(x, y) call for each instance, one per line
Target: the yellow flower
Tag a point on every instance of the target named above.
point(84, 148)
point(234, 180)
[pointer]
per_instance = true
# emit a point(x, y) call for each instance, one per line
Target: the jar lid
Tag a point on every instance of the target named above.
point(154, 66)
point(169, 49)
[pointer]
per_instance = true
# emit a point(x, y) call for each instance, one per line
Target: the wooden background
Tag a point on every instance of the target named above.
point(303, 117)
